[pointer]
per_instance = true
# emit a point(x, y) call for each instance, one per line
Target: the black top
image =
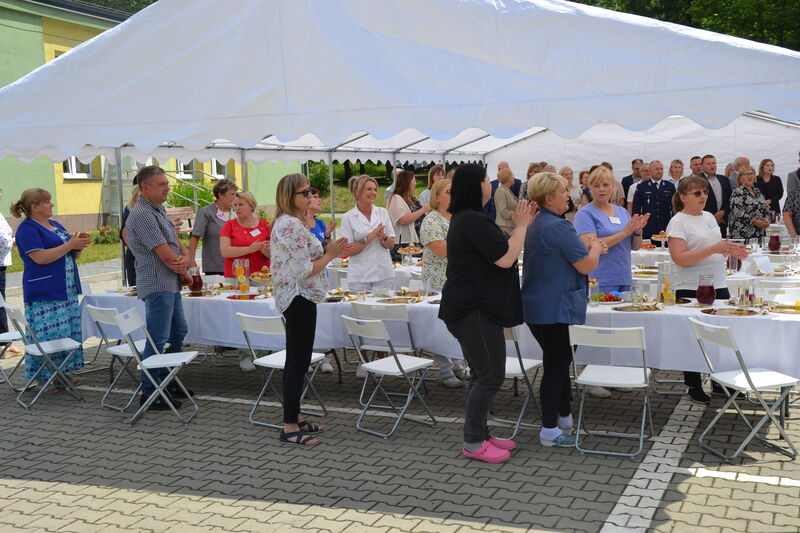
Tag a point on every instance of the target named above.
point(474, 282)
point(772, 191)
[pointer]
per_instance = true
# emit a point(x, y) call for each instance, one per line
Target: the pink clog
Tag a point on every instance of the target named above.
point(488, 454)
point(503, 444)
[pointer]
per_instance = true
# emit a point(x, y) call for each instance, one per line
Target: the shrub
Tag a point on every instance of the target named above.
point(318, 176)
point(261, 214)
point(105, 235)
point(204, 196)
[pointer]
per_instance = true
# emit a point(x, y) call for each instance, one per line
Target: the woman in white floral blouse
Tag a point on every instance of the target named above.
point(749, 216)
point(433, 235)
point(298, 277)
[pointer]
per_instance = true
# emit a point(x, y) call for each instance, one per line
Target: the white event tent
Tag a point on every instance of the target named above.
point(364, 79)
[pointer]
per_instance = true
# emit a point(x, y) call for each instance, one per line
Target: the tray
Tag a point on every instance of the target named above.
point(398, 300)
point(729, 311)
point(645, 274)
point(334, 299)
point(242, 296)
point(415, 294)
point(786, 309)
point(631, 309)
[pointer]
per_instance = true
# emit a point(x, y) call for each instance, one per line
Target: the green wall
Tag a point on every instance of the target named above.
point(21, 51)
point(262, 178)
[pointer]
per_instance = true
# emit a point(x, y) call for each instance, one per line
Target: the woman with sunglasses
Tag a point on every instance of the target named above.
point(298, 274)
point(318, 228)
point(697, 248)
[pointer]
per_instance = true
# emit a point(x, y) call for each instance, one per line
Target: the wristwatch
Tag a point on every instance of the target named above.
point(636, 234)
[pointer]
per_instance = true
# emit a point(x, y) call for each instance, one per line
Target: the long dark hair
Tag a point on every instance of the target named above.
point(466, 191)
point(684, 186)
point(403, 188)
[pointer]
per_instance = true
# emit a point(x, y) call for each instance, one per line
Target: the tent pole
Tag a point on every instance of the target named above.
point(330, 185)
point(120, 208)
point(243, 162)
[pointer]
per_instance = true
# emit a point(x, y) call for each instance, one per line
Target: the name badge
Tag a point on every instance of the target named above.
point(712, 224)
point(614, 220)
point(255, 233)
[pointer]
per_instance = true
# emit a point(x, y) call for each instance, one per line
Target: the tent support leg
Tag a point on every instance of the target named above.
point(120, 209)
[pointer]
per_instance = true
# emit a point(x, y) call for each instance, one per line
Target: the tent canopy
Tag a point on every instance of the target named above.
point(266, 74)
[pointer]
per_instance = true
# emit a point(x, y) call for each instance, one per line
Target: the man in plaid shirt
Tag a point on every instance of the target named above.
point(161, 267)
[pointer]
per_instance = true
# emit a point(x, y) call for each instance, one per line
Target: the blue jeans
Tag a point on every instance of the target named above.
point(166, 323)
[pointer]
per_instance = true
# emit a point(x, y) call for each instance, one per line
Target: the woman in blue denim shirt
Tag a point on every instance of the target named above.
point(50, 282)
point(554, 292)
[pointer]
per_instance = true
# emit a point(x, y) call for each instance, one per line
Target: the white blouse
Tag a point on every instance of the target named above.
point(398, 207)
point(374, 263)
point(699, 231)
point(6, 242)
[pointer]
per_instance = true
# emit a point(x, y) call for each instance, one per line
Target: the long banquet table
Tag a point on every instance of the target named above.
point(768, 340)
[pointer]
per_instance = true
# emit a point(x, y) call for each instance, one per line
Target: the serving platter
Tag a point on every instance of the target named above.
point(729, 311)
point(644, 308)
point(398, 300)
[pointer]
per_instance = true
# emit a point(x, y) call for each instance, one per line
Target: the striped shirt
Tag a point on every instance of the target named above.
point(148, 228)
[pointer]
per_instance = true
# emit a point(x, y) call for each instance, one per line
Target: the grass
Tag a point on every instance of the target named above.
point(344, 200)
point(92, 253)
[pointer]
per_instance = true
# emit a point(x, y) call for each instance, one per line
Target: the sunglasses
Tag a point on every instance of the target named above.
point(311, 191)
point(698, 194)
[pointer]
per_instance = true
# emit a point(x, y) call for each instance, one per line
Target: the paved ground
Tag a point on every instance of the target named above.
point(70, 466)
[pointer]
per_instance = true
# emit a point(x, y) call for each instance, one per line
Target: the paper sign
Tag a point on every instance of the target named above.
point(614, 220)
point(763, 263)
point(255, 232)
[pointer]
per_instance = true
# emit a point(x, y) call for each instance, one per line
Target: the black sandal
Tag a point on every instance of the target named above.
point(301, 438)
point(310, 427)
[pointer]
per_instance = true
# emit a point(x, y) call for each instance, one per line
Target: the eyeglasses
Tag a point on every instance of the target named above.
point(311, 191)
point(701, 192)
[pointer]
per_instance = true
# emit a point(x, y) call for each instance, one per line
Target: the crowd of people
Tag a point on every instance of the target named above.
point(472, 231)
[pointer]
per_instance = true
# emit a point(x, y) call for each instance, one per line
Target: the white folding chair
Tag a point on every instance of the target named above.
point(412, 369)
point(274, 325)
point(130, 321)
point(6, 339)
point(42, 350)
point(104, 317)
point(612, 376)
point(520, 368)
point(746, 380)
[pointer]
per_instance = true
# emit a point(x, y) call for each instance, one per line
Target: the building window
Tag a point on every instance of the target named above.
point(219, 170)
point(186, 171)
point(74, 169)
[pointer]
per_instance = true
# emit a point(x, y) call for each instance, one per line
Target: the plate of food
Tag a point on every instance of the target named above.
point(638, 309)
point(399, 300)
point(729, 311)
point(244, 296)
point(411, 249)
point(262, 276)
point(416, 294)
point(660, 236)
point(606, 298)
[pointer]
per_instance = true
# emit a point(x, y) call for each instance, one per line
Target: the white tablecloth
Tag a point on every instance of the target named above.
point(649, 258)
point(770, 340)
point(402, 275)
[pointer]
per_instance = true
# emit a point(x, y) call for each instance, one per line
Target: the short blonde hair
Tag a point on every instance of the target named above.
point(544, 184)
point(504, 174)
point(742, 170)
point(357, 184)
point(248, 197)
point(435, 190)
point(28, 199)
point(599, 175)
point(135, 192)
point(284, 195)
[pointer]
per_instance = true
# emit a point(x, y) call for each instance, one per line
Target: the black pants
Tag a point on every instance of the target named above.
point(555, 391)
point(130, 269)
point(484, 347)
point(301, 325)
point(3, 317)
point(692, 379)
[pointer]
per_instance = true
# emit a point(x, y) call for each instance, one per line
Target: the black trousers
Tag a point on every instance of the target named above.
point(484, 347)
point(301, 325)
point(130, 269)
point(3, 317)
point(555, 391)
point(692, 379)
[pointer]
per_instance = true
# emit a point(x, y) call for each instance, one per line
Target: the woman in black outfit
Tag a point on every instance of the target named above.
point(480, 298)
point(770, 185)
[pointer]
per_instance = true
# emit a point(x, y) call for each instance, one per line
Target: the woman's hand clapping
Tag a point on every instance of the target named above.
point(335, 248)
point(525, 213)
point(79, 241)
point(637, 223)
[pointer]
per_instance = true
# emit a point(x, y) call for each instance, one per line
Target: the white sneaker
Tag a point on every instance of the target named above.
point(451, 382)
point(247, 365)
point(360, 372)
point(597, 391)
point(326, 367)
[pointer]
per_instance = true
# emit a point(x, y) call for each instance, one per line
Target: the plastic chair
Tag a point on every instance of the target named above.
point(274, 325)
point(130, 321)
point(746, 380)
point(408, 367)
point(613, 376)
point(42, 350)
point(119, 353)
point(519, 368)
point(6, 339)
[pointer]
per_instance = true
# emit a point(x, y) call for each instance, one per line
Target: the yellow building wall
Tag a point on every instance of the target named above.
point(73, 196)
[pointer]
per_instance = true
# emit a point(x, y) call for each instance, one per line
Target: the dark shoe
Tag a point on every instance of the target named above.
point(698, 396)
point(159, 404)
point(176, 392)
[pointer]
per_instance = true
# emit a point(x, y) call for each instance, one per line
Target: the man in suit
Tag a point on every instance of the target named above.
point(654, 197)
point(696, 166)
point(630, 179)
point(719, 192)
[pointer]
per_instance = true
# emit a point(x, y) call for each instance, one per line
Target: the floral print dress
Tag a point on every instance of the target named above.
point(745, 207)
point(293, 250)
point(434, 268)
point(55, 319)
